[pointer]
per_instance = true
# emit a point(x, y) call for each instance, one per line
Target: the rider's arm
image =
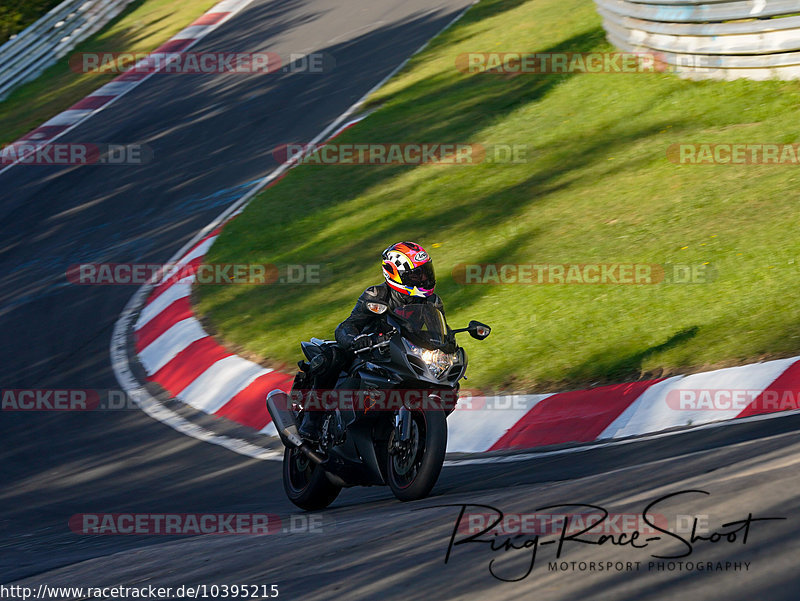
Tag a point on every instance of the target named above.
point(360, 317)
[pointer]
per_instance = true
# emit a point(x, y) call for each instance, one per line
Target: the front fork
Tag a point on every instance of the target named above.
point(402, 422)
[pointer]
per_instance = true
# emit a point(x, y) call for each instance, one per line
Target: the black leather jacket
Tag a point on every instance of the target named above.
point(363, 320)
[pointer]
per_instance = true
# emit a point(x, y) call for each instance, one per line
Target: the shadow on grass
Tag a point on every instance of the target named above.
point(456, 106)
point(446, 108)
point(626, 368)
point(355, 251)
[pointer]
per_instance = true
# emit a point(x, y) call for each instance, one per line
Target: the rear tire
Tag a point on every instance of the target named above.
point(412, 474)
point(305, 482)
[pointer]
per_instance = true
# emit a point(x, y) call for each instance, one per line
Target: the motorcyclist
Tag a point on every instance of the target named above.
point(409, 278)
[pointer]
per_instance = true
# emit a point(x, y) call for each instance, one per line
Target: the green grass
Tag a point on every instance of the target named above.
point(598, 188)
point(142, 27)
point(16, 15)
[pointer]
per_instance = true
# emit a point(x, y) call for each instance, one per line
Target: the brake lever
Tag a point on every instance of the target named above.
point(383, 344)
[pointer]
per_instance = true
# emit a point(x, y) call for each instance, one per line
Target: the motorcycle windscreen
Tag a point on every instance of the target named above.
point(424, 325)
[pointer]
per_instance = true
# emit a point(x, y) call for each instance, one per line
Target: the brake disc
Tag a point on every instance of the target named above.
point(403, 459)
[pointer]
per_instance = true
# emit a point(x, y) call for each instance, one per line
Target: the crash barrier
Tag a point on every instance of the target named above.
point(710, 39)
point(31, 51)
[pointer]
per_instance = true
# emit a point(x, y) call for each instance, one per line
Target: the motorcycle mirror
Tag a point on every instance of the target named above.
point(478, 330)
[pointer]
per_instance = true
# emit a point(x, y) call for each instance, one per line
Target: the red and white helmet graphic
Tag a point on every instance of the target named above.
point(409, 269)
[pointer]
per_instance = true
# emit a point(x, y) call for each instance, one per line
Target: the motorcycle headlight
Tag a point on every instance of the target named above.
point(438, 362)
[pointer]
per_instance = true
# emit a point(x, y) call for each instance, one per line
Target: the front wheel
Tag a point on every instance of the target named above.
point(413, 467)
point(305, 482)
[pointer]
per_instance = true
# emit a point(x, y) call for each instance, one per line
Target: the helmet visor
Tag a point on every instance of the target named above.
point(421, 277)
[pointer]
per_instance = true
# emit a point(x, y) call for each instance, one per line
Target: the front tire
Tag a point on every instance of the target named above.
point(413, 471)
point(305, 482)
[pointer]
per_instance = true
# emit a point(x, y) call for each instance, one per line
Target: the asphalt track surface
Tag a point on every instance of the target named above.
point(212, 137)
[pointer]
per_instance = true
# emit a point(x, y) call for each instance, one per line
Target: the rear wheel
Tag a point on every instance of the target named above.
point(305, 482)
point(413, 467)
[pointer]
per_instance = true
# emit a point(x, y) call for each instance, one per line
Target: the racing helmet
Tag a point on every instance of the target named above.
point(408, 269)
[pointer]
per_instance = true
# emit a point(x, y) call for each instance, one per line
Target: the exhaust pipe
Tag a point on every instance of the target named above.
point(283, 418)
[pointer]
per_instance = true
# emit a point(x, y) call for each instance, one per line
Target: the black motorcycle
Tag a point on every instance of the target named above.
point(385, 418)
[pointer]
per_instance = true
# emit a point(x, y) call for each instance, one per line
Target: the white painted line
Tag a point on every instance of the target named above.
point(164, 348)
point(115, 88)
point(68, 117)
point(475, 430)
point(164, 300)
point(652, 411)
point(220, 383)
point(229, 6)
point(199, 251)
point(168, 417)
point(193, 31)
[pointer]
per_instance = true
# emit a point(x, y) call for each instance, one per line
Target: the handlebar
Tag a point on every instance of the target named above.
point(387, 339)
